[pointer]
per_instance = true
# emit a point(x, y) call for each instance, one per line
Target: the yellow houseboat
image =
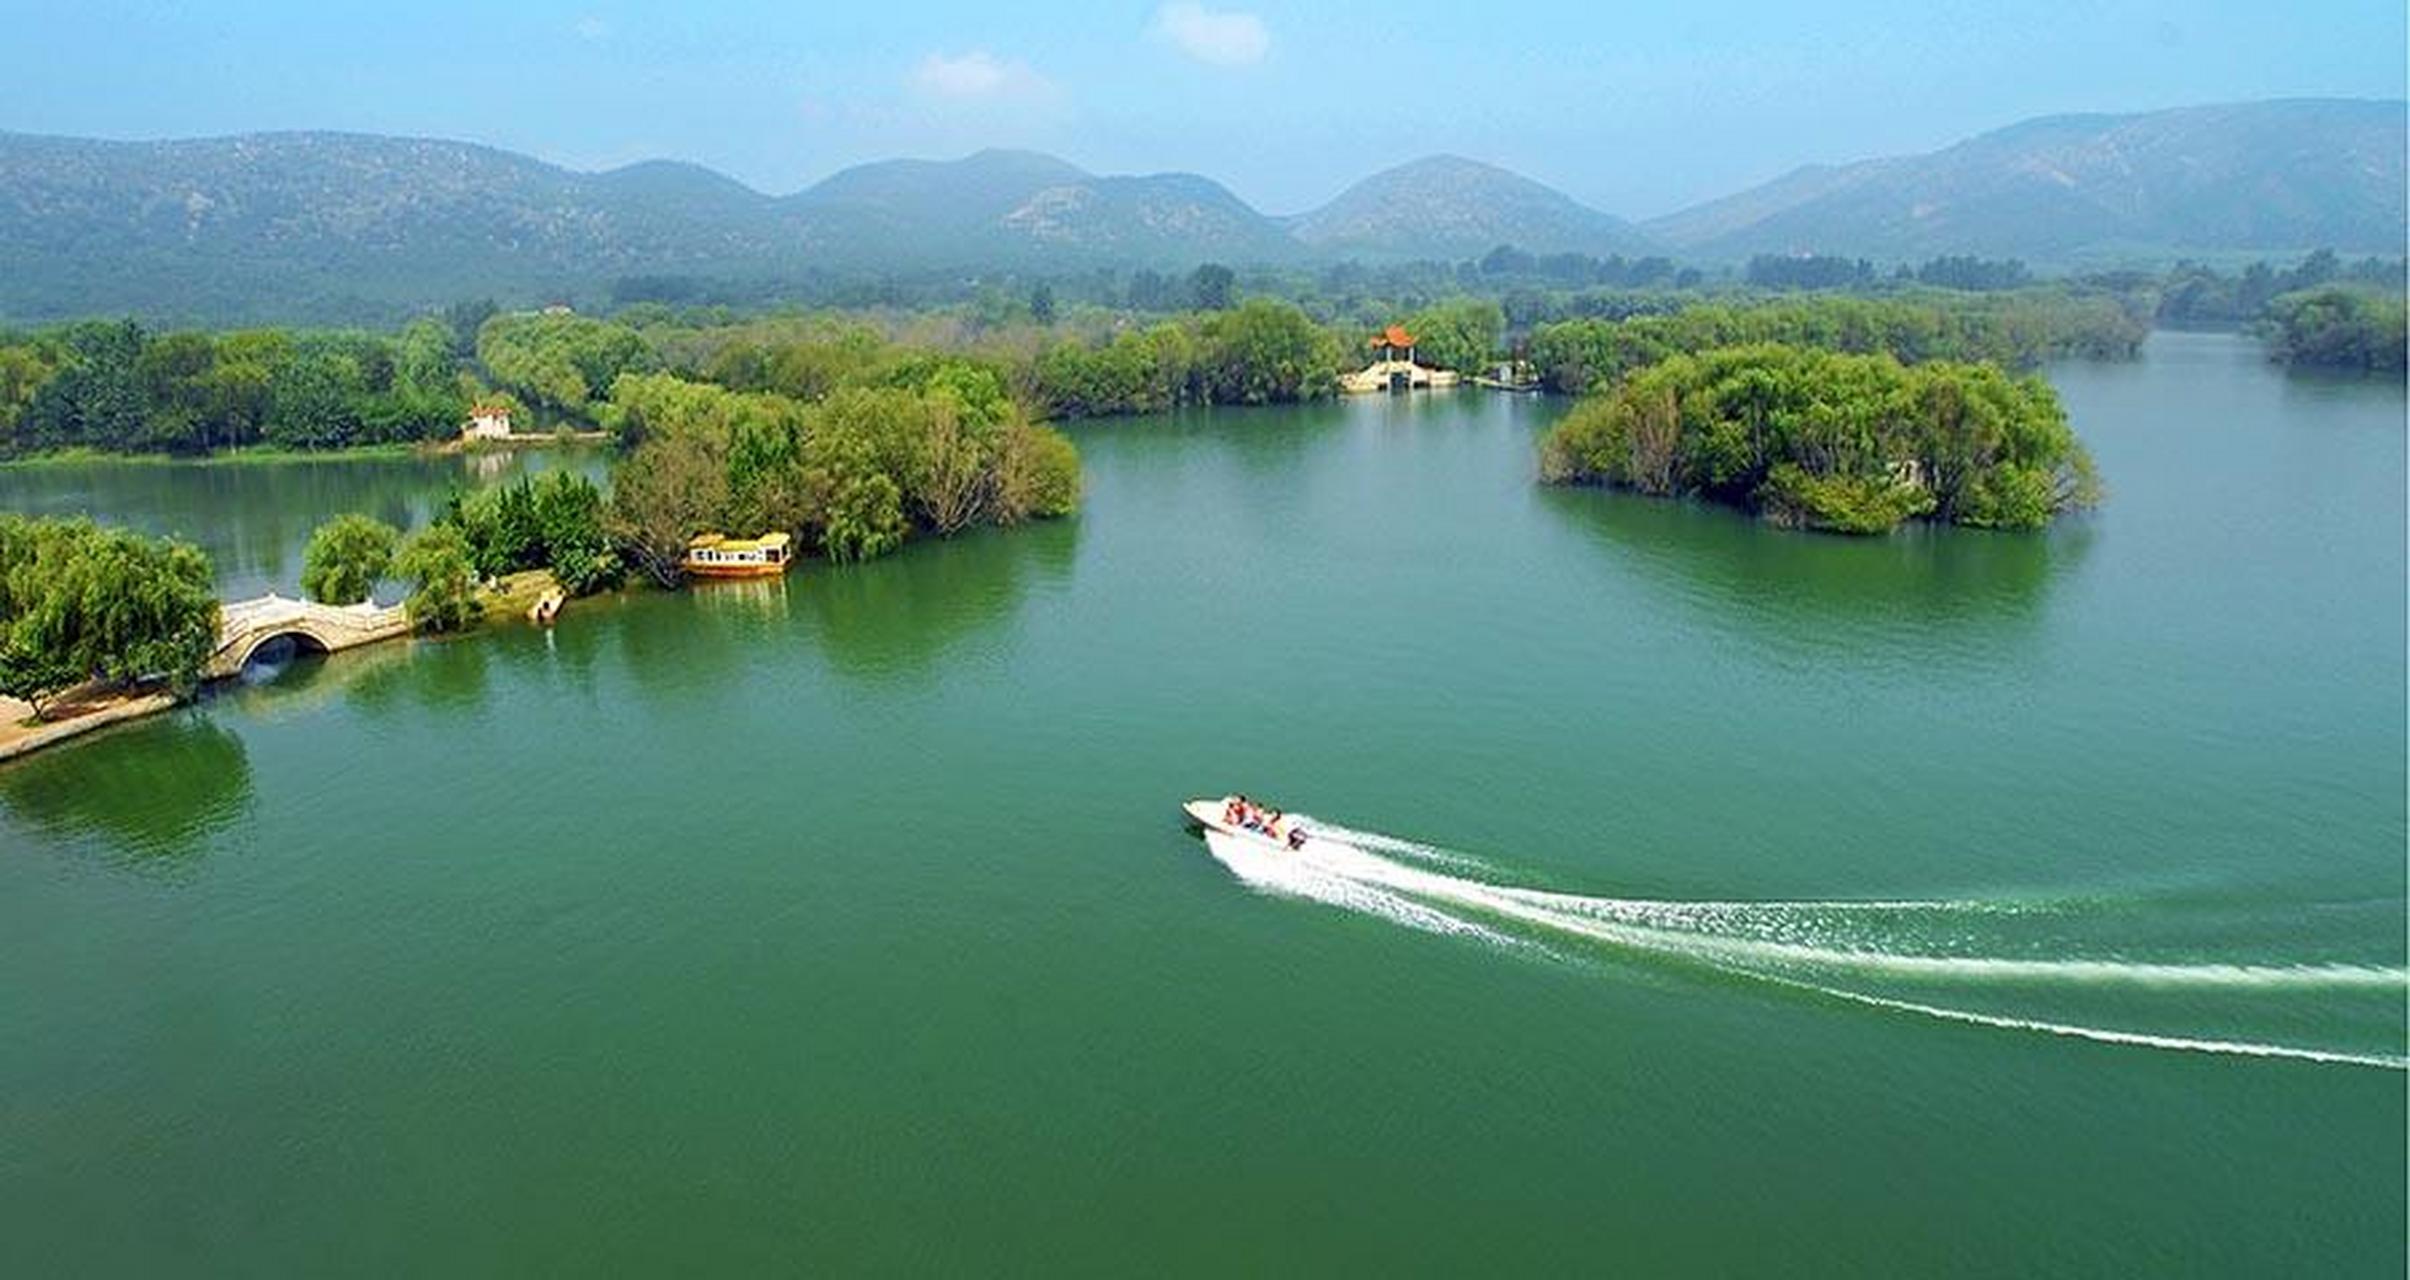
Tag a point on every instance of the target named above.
point(713, 556)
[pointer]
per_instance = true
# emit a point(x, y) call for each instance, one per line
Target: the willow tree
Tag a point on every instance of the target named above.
point(345, 558)
point(437, 561)
point(81, 603)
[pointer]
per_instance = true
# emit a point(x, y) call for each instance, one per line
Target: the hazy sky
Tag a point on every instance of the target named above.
point(1638, 109)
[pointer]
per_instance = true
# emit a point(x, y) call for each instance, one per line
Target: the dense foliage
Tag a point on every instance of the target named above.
point(560, 361)
point(2197, 295)
point(938, 446)
point(1262, 352)
point(1819, 439)
point(1807, 271)
point(118, 386)
point(443, 595)
point(1464, 334)
point(553, 521)
point(1981, 275)
point(2337, 328)
point(345, 558)
point(79, 602)
point(1950, 271)
point(2010, 329)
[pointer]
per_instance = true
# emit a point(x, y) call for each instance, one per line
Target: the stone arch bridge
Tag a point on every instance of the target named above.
point(245, 625)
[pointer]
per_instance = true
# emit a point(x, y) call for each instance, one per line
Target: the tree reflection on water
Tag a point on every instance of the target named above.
point(147, 796)
point(1943, 594)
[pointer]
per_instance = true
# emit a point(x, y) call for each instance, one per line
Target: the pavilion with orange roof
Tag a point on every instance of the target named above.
point(1394, 367)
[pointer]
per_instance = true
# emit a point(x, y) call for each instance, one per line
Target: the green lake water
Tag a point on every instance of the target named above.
point(254, 517)
point(1714, 900)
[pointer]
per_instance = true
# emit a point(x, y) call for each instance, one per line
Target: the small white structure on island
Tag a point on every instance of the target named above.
point(487, 422)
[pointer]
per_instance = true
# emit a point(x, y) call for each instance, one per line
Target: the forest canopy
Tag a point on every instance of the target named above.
point(940, 448)
point(2337, 328)
point(1833, 441)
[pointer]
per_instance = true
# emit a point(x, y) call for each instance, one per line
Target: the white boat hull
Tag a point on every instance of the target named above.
point(1208, 814)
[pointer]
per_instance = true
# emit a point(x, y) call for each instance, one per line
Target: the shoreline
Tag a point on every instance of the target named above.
point(21, 735)
point(502, 604)
point(275, 455)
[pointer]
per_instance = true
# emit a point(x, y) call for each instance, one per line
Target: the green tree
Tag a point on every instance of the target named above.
point(577, 548)
point(24, 367)
point(437, 561)
point(241, 383)
point(1267, 352)
point(314, 400)
point(861, 456)
point(1038, 475)
point(79, 602)
point(1212, 287)
point(2338, 328)
point(561, 362)
point(1463, 335)
point(674, 486)
point(96, 397)
point(174, 370)
point(345, 558)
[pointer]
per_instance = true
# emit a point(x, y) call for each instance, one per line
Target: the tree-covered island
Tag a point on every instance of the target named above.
point(1826, 440)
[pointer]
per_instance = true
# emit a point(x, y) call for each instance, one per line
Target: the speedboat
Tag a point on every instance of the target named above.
point(1282, 832)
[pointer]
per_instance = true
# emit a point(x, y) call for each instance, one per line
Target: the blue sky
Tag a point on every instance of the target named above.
point(1636, 109)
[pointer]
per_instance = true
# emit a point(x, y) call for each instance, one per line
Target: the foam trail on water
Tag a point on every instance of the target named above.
point(2102, 1035)
point(1345, 868)
point(1273, 872)
point(1676, 917)
point(1375, 842)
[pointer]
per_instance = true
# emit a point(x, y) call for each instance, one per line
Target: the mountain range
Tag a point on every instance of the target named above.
point(2267, 176)
point(273, 225)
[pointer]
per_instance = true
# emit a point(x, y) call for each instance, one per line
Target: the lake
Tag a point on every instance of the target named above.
point(1720, 899)
point(254, 517)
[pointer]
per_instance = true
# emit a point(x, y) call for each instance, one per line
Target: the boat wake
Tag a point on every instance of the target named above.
point(1913, 957)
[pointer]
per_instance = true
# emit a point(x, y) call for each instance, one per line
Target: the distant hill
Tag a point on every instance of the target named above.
point(331, 227)
point(1024, 208)
point(924, 206)
point(271, 225)
point(2270, 177)
point(1162, 217)
point(1451, 207)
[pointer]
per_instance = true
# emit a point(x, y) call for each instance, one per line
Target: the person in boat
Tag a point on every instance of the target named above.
point(1234, 810)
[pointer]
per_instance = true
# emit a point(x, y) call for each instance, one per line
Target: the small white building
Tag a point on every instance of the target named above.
point(487, 422)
